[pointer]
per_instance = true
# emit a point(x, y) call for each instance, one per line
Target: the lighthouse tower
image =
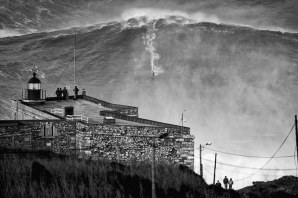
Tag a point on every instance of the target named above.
point(34, 93)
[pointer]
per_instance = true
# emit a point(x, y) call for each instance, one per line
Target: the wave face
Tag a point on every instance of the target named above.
point(30, 16)
point(238, 84)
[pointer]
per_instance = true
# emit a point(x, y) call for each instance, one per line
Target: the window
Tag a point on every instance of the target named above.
point(48, 130)
point(33, 86)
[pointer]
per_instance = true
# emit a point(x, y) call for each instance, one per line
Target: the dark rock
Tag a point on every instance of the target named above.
point(40, 174)
point(118, 167)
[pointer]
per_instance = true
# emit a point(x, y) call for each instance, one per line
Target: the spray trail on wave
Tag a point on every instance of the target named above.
point(149, 41)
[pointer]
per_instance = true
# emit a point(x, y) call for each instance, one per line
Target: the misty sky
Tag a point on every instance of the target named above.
point(247, 106)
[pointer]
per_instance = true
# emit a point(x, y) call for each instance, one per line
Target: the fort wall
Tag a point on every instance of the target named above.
point(122, 109)
point(134, 143)
point(117, 143)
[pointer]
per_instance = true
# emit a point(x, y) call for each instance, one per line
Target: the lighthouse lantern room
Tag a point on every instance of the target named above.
point(34, 93)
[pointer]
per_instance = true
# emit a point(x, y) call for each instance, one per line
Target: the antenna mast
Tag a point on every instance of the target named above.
point(182, 119)
point(74, 58)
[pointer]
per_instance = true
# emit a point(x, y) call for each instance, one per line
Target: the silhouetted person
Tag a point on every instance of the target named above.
point(226, 181)
point(231, 183)
point(218, 184)
point(76, 91)
point(60, 94)
point(84, 92)
point(65, 94)
point(57, 94)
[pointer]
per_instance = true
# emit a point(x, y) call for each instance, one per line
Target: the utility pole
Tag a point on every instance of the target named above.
point(201, 165)
point(214, 176)
point(296, 136)
point(214, 169)
point(153, 169)
point(162, 136)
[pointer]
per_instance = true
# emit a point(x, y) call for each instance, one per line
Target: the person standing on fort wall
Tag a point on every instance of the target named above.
point(60, 94)
point(57, 94)
point(84, 92)
point(65, 94)
point(76, 91)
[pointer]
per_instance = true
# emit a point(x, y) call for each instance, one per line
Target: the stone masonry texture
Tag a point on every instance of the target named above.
point(125, 144)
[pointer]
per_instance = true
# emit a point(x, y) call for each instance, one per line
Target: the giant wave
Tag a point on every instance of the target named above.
point(25, 17)
point(233, 80)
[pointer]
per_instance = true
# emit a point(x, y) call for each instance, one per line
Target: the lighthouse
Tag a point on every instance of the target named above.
point(34, 93)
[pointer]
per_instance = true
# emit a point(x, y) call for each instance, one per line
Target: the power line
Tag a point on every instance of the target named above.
point(262, 168)
point(49, 81)
point(270, 158)
point(251, 156)
point(208, 171)
point(61, 75)
point(240, 172)
point(252, 168)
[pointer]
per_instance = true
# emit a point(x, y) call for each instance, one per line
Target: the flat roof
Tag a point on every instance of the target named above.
point(84, 108)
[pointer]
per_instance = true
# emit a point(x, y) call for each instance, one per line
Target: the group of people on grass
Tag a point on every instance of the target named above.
point(226, 182)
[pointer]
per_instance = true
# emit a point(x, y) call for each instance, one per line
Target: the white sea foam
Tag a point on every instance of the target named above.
point(9, 33)
point(149, 41)
point(183, 18)
point(152, 14)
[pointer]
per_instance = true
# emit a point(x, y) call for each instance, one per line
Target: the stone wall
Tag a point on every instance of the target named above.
point(135, 143)
point(113, 142)
point(40, 135)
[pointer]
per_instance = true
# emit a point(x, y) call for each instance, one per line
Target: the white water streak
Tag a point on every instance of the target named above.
point(149, 41)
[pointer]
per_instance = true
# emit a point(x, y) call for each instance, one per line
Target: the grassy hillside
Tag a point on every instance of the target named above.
point(45, 174)
point(66, 177)
point(284, 187)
